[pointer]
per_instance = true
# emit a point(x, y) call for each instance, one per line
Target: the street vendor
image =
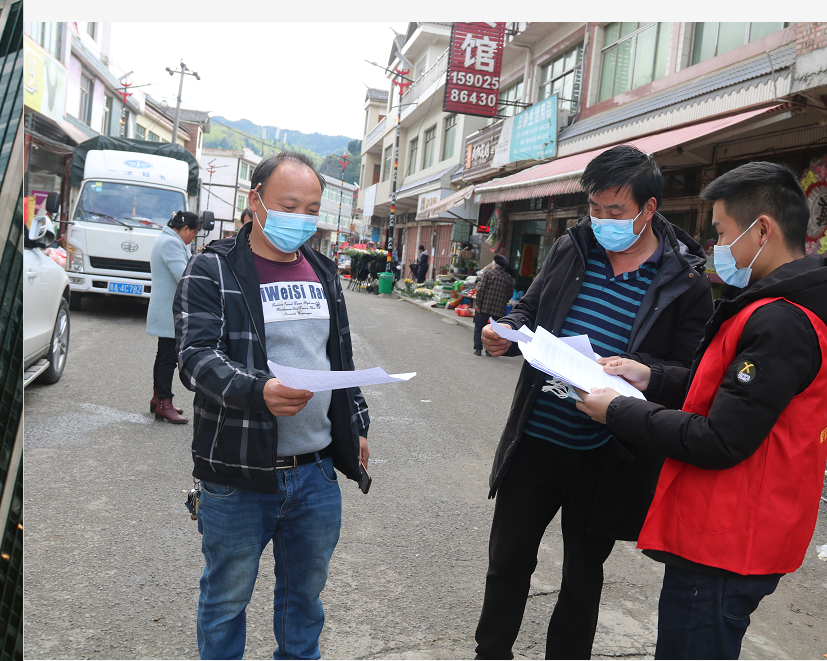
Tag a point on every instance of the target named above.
point(737, 499)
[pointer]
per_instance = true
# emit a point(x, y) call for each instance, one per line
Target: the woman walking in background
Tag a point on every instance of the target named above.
point(168, 260)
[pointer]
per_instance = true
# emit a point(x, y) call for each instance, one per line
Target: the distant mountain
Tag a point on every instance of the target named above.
point(267, 140)
point(318, 143)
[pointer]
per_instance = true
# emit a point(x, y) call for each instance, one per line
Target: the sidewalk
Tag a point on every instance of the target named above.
point(451, 315)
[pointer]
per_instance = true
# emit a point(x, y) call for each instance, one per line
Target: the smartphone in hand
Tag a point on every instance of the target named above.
point(365, 480)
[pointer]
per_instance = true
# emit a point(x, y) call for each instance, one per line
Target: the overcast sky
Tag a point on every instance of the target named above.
point(308, 77)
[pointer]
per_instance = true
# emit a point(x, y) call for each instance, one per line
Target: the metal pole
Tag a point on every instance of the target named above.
point(178, 106)
point(343, 160)
point(393, 193)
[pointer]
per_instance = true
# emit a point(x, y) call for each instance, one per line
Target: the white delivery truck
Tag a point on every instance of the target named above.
point(121, 206)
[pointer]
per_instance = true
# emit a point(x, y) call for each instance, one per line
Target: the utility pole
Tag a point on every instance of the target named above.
point(399, 81)
point(343, 160)
point(184, 72)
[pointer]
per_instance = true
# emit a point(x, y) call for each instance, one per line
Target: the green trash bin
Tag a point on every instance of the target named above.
point(385, 283)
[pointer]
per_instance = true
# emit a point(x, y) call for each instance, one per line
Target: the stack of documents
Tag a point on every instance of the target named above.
point(570, 359)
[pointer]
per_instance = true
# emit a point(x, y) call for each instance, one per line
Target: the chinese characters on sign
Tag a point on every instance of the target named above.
point(530, 135)
point(474, 66)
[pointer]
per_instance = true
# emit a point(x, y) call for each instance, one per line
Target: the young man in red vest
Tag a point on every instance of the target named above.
point(737, 499)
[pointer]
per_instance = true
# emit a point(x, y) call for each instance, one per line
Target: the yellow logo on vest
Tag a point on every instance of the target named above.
point(823, 435)
point(746, 371)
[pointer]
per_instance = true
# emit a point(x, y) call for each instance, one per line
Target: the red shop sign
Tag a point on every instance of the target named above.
point(473, 85)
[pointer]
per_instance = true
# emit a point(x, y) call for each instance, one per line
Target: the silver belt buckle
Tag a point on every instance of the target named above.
point(278, 468)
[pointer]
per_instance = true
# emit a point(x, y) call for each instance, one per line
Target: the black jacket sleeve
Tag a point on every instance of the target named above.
point(668, 385)
point(781, 343)
point(697, 309)
point(201, 338)
point(362, 417)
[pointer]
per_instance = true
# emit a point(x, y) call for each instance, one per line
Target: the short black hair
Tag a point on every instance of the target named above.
point(761, 187)
point(268, 166)
point(422, 247)
point(185, 219)
point(627, 167)
point(248, 214)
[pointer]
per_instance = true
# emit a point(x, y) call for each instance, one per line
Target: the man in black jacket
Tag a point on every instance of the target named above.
point(265, 453)
point(633, 283)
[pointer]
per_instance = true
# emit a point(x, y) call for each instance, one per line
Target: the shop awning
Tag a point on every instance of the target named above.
point(453, 200)
point(328, 227)
point(563, 175)
point(415, 186)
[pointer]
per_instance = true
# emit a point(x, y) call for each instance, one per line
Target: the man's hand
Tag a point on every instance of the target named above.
point(596, 404)
point(283, 401)
point(630, 370)
point(493, 343)
point(364, 453)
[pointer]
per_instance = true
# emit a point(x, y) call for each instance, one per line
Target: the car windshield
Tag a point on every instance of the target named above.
point(127, 204)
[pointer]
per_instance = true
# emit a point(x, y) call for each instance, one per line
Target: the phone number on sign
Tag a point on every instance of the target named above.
point(475, 80)
point(480, 98)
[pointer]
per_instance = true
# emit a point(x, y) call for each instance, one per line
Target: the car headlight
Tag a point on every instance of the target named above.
point(74, 259)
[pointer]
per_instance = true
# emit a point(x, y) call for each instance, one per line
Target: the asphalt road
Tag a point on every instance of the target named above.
point(112, 559)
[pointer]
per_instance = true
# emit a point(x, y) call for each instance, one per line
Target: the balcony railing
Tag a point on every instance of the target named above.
point(427, 79)
point(376, 132)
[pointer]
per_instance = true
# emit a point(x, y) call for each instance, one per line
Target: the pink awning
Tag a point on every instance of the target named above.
point(563, 174)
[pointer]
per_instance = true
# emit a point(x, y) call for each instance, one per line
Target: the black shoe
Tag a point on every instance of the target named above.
point(478, 352)
point(488, 354)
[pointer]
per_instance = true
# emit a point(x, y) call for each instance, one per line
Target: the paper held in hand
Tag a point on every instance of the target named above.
point(569, 359)
point(321, 380)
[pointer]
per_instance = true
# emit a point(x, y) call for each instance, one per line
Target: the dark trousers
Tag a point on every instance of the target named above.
point(480, 322)
point(166, 360)
point(705, 617)
point(544, 477)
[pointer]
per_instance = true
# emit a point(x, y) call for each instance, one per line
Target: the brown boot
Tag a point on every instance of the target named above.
point(166, 411)
point(153, 403)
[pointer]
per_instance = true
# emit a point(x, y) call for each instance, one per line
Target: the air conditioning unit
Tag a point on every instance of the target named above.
point(564, 118)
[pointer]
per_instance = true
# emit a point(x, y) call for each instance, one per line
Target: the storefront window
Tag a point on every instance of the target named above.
point(634, 54)
point(386, 171)
point(712, 39)
point(449, 137)
point(48, 35)
point(430, 143)
point(561, 76)
point(511, 93)
point(412, 155)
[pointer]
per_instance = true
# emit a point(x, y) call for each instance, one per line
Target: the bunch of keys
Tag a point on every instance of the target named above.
point(193, 498)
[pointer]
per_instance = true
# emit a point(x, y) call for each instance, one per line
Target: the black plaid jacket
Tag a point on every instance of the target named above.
point(494, 292)
point(219, 332)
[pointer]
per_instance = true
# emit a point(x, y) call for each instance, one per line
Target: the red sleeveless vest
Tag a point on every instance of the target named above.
point(757, 517)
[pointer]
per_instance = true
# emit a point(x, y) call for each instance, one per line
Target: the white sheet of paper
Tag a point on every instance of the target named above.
point(551, 355)
point(507, 332)
point(321, 380)
point(581, 344)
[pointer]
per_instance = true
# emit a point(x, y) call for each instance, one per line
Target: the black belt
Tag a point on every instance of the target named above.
point(301, 459)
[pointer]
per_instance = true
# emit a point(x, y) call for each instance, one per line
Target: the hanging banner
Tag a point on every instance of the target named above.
point(814, 184)
point(44, 81)
point(529, 135)
point(473, 80)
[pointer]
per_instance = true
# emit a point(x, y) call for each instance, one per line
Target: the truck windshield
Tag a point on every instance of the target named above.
point(127, 204)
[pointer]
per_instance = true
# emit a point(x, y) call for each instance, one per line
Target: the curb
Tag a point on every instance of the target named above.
point(451, 316)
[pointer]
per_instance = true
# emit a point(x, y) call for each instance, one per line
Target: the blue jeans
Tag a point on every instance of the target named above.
point(303, 520)
point(705, 617)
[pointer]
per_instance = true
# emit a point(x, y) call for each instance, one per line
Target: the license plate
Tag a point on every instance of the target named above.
point(125, 288)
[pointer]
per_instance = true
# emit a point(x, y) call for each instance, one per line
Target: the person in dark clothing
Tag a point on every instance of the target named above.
point(422, 265)
point(634, 284)
point(265, 453)
point(493, 293)
point(738, 497)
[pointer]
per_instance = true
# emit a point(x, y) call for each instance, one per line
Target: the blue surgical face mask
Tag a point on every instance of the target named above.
point(287, 231)
point(725, 265)
point(616, 235)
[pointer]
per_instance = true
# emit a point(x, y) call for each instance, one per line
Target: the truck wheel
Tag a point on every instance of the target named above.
point(59, 347)
point(75, 298)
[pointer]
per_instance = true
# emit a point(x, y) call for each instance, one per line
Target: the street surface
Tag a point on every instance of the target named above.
point(112, 559)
